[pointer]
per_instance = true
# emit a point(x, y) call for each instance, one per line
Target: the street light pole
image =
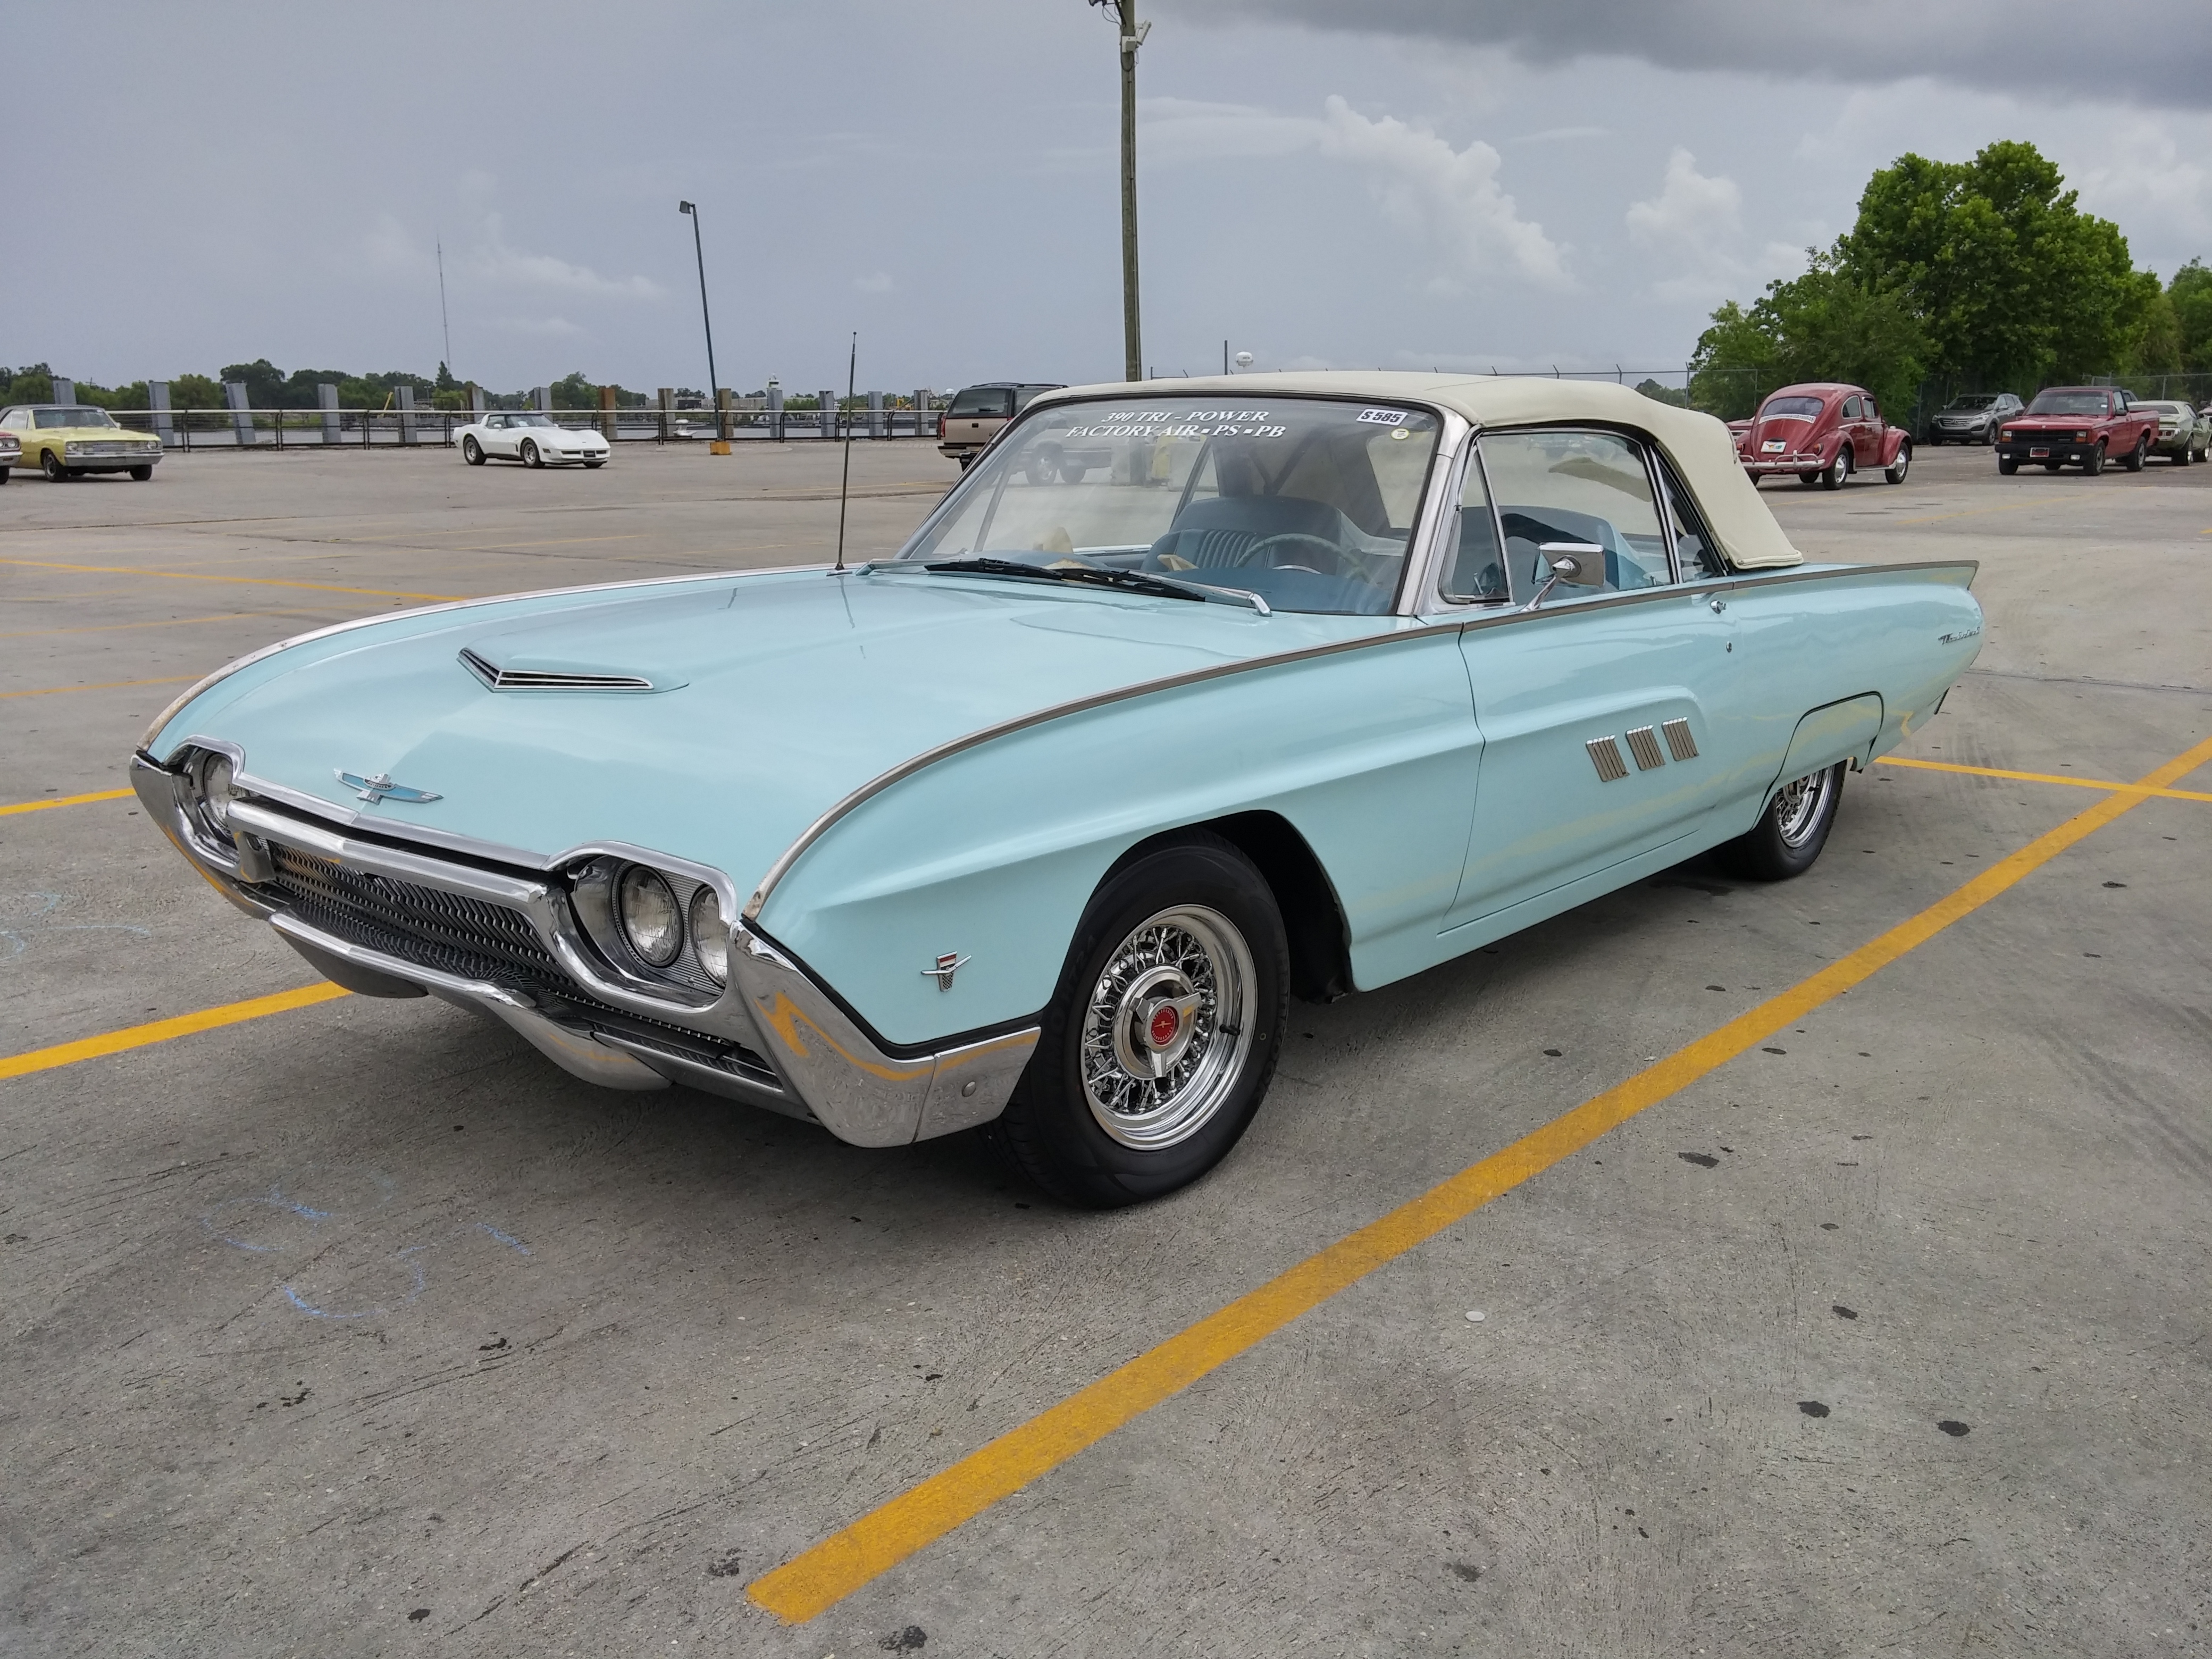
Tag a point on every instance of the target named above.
point(714, 386)
point(1132, 34)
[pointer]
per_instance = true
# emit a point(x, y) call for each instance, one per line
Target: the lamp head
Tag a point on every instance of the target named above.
point(686, 207)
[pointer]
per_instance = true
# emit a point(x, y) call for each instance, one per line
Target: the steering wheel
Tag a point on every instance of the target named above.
point(1252, 554)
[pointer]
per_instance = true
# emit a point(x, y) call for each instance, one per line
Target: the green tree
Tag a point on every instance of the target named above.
point(1652, 389)
point(1823, 325)
point(2190, 293)
point(34, 384)
point(194, 392)
point(265, 382)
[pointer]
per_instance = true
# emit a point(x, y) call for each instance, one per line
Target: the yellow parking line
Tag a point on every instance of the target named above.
point(813, 1581)
point(99, 685)
point(2041, 777)
point(167, 621)
point(61, 800)
point(161, 1031)
point(249, 581)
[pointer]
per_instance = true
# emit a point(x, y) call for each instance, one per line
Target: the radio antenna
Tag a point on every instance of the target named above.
point(844, 488)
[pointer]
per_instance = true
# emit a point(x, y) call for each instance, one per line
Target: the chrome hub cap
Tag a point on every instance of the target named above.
point(1169, 1028)
point(1798, 806)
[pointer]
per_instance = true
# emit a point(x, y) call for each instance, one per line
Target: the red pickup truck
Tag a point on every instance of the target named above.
point(1822, 432)
point(2084, 424)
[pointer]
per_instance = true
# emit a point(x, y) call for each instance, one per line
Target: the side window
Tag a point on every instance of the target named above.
point(1476, 569)
point(1567, 485)
point(1695, 552)
point(1873, 413)
point(1851, 409)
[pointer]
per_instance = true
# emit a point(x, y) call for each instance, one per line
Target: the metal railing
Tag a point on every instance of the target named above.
point(189, 429)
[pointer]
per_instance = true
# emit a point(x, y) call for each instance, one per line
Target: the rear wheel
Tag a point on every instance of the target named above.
point(1895, 471)
point(1163, 1034)
point(1793, 829)
point(51, 465)
point(1831, 476)
point(471, 450)
point(2134, 463)
point(530, 455)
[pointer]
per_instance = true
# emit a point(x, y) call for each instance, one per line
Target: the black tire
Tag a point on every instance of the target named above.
point(1203, 893)
point(1791, 831)
point(530, 455)
point(51, 465)
point(3, 475)
point(2008, 464)
point(2050, 467)
point(471, 450)
point(2134, 463)
point(1831, 476)
point(1895, 471)
point(1808, 479)
point(593, 466)
point(2093, 463)
point(141, 474)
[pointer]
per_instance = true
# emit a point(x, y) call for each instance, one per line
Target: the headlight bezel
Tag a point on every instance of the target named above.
point(594, 877)
point(640, 890)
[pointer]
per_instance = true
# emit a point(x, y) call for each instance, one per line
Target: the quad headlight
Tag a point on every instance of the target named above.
point(710, 935)
point(210, 780)
point(652, 921)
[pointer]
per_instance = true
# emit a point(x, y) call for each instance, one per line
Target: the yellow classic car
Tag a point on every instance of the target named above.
point(67, 440)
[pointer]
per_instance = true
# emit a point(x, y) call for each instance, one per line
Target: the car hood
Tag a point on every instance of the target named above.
point(2055, 422)
point(91, 434)
point(766, 700)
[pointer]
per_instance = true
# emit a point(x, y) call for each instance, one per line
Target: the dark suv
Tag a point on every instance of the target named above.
point(974, 416)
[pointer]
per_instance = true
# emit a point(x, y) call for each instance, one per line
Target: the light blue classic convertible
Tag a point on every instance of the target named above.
point(1184, 703)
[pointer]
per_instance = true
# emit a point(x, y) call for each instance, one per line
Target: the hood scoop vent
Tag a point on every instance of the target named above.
point(523, 675)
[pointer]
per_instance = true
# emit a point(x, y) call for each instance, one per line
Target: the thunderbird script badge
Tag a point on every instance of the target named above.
point(379, 787)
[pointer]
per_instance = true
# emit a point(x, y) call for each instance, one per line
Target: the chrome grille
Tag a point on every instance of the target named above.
point(475, 939)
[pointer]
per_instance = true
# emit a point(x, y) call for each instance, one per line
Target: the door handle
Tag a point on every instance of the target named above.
point(1719, 605)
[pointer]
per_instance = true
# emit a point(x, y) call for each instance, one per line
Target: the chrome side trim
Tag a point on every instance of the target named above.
point(146, 743)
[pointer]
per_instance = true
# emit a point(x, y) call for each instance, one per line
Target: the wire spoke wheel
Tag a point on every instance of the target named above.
point(1799, 807)
point(1169, 1027)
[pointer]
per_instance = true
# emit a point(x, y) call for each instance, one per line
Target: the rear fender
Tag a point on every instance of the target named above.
point(1843, 731)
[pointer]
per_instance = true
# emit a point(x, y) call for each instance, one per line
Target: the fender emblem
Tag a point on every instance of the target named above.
point(947, 965)
point(379, 787)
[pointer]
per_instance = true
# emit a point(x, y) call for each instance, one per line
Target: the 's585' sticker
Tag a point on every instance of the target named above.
point(1383, 416)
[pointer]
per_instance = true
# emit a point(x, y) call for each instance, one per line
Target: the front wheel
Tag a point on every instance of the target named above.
point(1831, 476)
point(1895, 471)
point(51, 465)
point(1791, 832)
point(3, 475)
point(2094, 463)
point(530, 455)
point(1163, 1034)
point(471, 450)
point(141, 474)
point(2008, 464)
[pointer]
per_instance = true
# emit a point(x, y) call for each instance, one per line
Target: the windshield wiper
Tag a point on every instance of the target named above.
point(1128, 581)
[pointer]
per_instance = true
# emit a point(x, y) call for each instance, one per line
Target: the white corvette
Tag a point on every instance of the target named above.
point(532, 438)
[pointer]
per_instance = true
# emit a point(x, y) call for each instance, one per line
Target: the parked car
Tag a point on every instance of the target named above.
point(1973, 417)
point(1043, 821)
point(68, 440)
point(976, 414)
point(1823, 432)
point(2081, 424)
point(2184, 433)
point(534, 440)
point(11, 454)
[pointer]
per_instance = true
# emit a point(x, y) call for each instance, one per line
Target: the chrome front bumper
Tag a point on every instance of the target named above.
point(773, 1038)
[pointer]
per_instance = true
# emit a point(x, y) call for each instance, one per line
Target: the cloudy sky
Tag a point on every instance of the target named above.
point(1392, 183)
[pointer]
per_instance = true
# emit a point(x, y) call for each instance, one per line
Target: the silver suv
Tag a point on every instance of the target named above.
point(1972, 418)
point(976, 413)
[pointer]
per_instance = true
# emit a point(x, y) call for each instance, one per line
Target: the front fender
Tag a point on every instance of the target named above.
point(991, 853)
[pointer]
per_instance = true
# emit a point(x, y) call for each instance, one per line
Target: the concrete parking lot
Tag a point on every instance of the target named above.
point(360, 1329)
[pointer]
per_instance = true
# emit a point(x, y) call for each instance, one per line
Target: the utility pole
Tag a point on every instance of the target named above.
point(1132, 34)
point(714, 386)
point(445, 323)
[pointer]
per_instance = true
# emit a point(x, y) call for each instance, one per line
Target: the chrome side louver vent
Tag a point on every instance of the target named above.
point(1679, 743)
point(1605, 755)
point(1646, 748)
point(528, 679)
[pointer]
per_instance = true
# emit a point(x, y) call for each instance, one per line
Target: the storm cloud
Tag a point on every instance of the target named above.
point(2142, 53)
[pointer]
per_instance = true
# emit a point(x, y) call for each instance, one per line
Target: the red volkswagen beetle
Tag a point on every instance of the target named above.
point(1823, 431)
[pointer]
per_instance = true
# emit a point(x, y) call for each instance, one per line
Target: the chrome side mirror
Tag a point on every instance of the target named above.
point(1579, 564)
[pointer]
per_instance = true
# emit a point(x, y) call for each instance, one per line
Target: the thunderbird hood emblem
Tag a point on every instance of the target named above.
point(379, 787)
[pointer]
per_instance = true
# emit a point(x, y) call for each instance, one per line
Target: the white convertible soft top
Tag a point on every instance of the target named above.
point(1699, 446)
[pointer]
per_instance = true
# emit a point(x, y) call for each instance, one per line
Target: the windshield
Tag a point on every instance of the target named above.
point(1790, 409)
point(53, 418)
point(530, 420)
point(2068, 402)
point(1308, 503)
point(1973, 401)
